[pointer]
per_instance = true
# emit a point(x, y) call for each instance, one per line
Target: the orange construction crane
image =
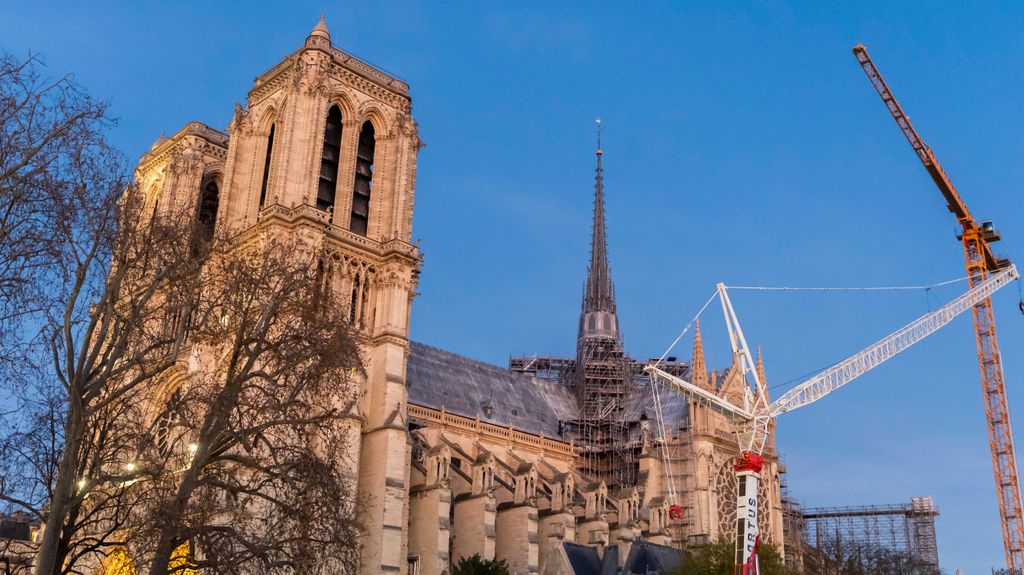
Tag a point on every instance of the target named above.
point(980, 261)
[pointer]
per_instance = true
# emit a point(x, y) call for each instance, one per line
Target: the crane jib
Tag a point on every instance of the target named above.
point(894, 108)
point(871, 357)
point(924, 153)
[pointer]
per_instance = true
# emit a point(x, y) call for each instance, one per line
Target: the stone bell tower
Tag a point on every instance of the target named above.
point(326, 146)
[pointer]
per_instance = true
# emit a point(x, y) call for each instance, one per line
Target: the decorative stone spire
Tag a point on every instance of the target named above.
point(321, 28)
point(319, 36)
point(760, 371)
point(598, 318)
point(760, 375)
point(159, 141)
point(698, 370)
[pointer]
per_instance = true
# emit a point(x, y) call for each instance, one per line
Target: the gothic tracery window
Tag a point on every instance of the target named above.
point(725, 486)
point(266, 167)
point(354, 301)
point(329, 160)
point(360, 220)
point(167, 429)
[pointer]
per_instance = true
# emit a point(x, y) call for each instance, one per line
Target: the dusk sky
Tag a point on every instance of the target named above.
point(743, 144)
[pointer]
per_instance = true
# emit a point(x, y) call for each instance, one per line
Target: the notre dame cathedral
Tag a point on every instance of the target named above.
point(555, 465)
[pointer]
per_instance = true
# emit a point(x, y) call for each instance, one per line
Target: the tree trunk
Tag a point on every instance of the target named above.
point(170, 530)
point(63, 493)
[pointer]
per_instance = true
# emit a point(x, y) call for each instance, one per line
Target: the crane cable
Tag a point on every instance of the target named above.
point(869, 288)
point(926, 288)
point(658, 413)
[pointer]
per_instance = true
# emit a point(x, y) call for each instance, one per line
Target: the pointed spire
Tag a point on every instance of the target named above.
point(760, 366)
point(760, 371)
point(698, 370)
point(321, 27)
point(159, 141)
point(598, 293)
point(319, 36)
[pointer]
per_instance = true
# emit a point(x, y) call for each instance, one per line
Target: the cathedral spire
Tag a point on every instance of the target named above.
point(598, 318)
point(698, 370)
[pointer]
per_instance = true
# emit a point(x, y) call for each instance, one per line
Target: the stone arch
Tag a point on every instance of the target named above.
point(268, 118)
point(371, 112)
point(153, 194)
point(344, 102)
point(266, 132)
point(329, 167)
point(163, 413)
point(209, 201)
point(439, 460)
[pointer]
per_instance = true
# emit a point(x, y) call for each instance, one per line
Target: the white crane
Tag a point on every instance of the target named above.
point(753, 418)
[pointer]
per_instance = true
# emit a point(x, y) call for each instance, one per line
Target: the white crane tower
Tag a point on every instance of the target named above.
point(753, 418)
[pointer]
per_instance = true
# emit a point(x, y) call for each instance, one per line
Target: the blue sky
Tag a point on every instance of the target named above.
point(742, 144)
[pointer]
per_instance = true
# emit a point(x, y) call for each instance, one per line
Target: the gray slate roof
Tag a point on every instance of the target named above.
point(584, 559)
point(674, 409)
point(465, 386)
point(646, 558)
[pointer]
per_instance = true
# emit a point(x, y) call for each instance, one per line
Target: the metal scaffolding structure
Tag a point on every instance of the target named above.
point(793, 525)
point(905, 528)
point(553, 369)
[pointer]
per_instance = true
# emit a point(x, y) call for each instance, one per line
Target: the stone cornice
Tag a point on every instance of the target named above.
point(217, 139)
point(277, 75)
point(378, 76)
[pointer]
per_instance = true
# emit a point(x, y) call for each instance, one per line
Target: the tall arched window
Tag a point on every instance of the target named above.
point(364, 181)
point(329, 160)
point(355, 301)
point(209, 201)
point(266, 167)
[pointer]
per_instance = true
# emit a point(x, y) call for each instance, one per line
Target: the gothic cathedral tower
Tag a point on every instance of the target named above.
point(326, 148)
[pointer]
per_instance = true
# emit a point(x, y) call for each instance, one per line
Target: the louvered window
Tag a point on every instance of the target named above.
point(364, 181)
point(329, 160)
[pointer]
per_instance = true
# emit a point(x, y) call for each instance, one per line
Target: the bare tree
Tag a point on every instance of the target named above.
point(113, 284)
point(169, 388)
point(86, 280)
point(839, 556)
point(44, 125)
point(261, 422)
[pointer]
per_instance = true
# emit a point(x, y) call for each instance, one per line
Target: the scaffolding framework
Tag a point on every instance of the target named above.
point(905, 528)
point(605, 381)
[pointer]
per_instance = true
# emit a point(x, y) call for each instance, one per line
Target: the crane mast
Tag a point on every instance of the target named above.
point(979, 261)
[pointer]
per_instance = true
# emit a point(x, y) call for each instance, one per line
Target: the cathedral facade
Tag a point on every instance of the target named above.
point(551, 464)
